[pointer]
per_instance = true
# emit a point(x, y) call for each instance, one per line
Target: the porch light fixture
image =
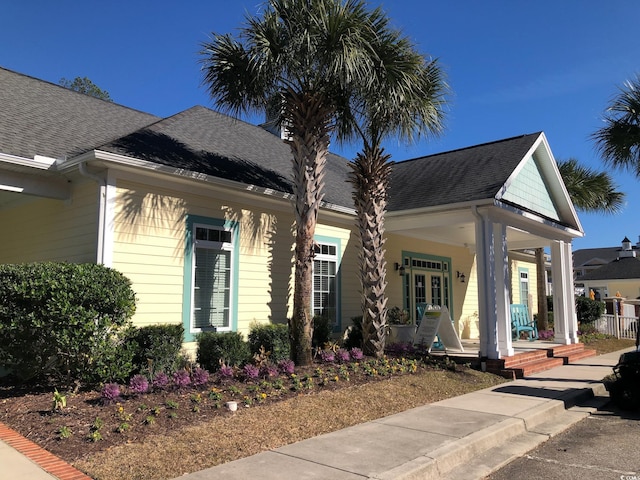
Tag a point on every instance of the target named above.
point(399, 268)
point(460, 276)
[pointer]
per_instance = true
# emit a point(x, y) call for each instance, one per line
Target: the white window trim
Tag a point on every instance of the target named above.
point(225, 246)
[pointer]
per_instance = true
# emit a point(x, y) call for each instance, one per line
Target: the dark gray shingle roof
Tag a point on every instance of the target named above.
point(205, 141)
point(468, 174)
point(585, 255)
point(41, 118)
point(619, 269)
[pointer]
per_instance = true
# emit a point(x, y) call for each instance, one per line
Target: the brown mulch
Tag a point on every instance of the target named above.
point(165, 434)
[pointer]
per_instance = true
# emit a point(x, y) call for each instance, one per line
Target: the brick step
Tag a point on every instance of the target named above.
point(572, 357)
point(535, 367)
point(564, 350)
point(525, 357)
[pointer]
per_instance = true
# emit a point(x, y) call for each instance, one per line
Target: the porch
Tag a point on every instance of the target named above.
point(528, 357)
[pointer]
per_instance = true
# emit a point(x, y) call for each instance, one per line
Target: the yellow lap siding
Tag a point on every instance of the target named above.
point(149, 247)
point(53, 230)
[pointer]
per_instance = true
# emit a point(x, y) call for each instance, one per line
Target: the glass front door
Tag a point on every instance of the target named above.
point(426, 287)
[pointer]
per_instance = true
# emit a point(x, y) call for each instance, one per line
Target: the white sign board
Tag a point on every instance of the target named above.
point(437, 322)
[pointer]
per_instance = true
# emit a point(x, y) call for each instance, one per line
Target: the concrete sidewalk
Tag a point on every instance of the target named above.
point(462, 437)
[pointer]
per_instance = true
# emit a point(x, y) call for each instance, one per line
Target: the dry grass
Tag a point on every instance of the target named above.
point(253, 430)
point(603, 344)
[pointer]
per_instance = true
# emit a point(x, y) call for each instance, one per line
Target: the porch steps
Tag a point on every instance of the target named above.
point(534, 361)
point(571, 353)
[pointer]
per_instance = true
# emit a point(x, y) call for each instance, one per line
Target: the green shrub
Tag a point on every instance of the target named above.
point(321, 331)
point(214, 347)
point(354, 334)
point(158, 348)
point(587, 310)
point(273, 337)
point(66, 322)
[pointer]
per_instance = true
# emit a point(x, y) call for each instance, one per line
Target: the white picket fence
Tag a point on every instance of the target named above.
point(618, 326)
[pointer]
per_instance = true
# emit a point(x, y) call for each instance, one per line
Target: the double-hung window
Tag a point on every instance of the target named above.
point(325, 282)
point(212, 280)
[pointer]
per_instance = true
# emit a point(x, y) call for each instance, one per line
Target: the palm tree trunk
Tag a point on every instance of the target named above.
point(370, 178)
point(308, 124)
point(543, 315)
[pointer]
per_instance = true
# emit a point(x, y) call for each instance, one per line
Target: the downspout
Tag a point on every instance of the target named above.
point(102, 208)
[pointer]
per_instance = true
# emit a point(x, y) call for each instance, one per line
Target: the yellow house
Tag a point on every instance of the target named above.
point(196, 210)
point(618, 277)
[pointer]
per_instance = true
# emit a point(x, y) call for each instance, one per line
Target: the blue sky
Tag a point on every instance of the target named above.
point(514, 67)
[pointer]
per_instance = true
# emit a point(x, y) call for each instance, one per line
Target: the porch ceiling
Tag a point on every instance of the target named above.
point(457, 227)
point(464, 235)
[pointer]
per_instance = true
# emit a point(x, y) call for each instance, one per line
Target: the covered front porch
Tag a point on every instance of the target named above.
point(528, 357)
point(510, 201)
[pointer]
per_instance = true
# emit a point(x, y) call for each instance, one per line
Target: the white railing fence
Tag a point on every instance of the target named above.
point(618, 326)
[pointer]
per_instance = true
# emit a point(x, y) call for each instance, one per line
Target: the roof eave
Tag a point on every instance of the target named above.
point(137, 164)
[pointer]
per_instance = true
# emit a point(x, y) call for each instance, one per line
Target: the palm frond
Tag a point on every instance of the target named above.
point(589, 190)
point(618, 141)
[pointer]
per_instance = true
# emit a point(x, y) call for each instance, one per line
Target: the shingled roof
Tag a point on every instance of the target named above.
point(624, 268)
point(41, 118)
point(584, 256)
point(468, 174)
point(204, 141)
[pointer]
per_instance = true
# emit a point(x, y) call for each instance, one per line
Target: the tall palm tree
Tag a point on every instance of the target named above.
point(304, 56)
point(589, 191)
point(619, 140)
point(405, 100)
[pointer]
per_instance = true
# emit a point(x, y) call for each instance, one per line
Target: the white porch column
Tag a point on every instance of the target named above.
point(565, 323)
point(503, 280)
point(493, 293)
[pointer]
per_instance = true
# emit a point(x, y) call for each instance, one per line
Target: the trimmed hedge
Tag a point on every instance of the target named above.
point(273, 337)
point(158, 348)
point(217, 347)
point(587, 310)
point(66, 322)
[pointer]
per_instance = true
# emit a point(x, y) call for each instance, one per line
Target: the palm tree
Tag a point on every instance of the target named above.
point(589, 191)
point(405, 100)
point(304, 56)
point(619, 140)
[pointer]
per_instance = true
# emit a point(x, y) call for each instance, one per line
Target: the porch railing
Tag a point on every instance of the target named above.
point(618, 326)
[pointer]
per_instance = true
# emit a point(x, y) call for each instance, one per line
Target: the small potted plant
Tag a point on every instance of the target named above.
point(401, 328)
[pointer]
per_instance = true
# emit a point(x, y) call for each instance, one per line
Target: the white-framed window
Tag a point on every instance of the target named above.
point(212, 278)
point(325, 281)
point(524, 286)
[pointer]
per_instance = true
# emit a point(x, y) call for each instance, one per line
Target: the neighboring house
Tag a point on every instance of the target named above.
point(586, 260)
point(620, 274)
point(196, 210)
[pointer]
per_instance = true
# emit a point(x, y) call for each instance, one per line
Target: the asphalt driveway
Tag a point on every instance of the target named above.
point(603, 446)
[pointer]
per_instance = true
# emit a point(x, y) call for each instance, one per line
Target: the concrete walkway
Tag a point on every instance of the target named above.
point(462, 437)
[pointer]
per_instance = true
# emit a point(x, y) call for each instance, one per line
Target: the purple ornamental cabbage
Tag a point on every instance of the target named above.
point(327, 356)
point(226, 371)
point(199, 376)
point(181, 379)
point(356, 353)
point(251, 371)
point(138, 384)
point(110, 393)
point(160, 381)
point(343, 356)
point(287, 366)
